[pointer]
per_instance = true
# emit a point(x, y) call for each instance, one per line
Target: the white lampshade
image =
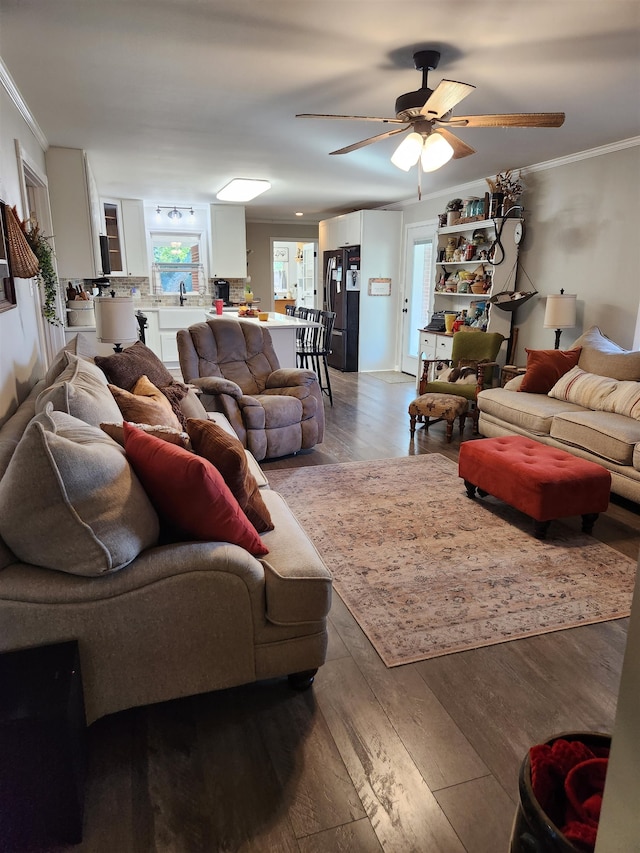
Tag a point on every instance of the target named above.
point(560, 312)
point(435, 153)
point(115, 319)
point(408, 152)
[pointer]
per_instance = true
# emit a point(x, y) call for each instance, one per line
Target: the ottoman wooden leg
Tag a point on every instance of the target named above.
point(462, 419)
point(471, 489)
point(450, 429)
point(588, 520)
point(412, 425)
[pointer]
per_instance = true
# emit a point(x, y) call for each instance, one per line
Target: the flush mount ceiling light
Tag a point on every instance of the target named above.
point(174, 211)
point(243, 189)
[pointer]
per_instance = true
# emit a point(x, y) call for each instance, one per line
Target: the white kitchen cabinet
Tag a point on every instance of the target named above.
point(228, 241)
point(134, 237)
point(346, 230)
point(75, 213)
point(162, 327)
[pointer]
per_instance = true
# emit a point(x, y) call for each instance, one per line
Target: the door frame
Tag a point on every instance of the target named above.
point(51, 338)
point(304, 240)
point(413, 233)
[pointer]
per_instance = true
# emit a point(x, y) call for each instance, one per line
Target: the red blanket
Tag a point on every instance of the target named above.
point(568, 781)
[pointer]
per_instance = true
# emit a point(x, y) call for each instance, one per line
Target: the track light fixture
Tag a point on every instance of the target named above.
point(174, 211)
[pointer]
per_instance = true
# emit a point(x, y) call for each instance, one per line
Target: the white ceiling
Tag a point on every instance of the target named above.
point(173, 98)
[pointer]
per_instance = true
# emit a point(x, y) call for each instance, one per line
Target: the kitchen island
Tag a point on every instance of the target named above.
point(282, 329)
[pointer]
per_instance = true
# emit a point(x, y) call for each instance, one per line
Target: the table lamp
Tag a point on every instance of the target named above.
point(560, 313)
point(115, 320)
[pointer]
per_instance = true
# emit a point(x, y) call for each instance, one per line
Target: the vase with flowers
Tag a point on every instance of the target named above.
point(506, 189)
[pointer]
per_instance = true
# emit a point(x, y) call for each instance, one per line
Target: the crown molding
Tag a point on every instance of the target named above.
point(584, 155)
point(470, 186)
point(21, 105)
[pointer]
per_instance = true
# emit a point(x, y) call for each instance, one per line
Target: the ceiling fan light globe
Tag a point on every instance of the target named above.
point(435, 152)
point(408, 152)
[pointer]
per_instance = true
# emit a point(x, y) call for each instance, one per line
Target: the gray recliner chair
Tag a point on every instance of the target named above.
point(274, 411)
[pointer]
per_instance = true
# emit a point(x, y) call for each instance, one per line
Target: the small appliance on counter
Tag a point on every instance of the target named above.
point(221, 288)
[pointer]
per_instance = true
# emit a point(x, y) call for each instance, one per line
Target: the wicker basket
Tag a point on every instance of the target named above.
point(24, 263)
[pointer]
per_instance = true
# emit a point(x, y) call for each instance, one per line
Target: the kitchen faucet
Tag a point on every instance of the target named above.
point(183, 293)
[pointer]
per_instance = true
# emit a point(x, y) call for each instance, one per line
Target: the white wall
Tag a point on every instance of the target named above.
point(581, 234)
point(21, 362)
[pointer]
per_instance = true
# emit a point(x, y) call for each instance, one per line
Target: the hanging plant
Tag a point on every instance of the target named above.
point(46, 275)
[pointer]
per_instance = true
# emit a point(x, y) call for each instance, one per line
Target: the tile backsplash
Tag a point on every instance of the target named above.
point(140, 288)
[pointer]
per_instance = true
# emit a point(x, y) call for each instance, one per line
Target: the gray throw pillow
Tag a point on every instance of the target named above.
point(81, 390)
point(70, 501)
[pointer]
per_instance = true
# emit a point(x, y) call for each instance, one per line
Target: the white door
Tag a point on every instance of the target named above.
point(307, 293)
point(420, 242)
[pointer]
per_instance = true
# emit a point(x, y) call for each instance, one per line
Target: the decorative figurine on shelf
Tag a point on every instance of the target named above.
point(451, 246)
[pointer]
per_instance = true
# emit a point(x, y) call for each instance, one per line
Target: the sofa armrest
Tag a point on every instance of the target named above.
point(217, 385)
point(289, 377)
point(246, 402)
point(297, 582)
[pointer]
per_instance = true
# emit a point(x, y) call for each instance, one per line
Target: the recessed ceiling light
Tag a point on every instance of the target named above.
point(299, 213)
point(243, 189)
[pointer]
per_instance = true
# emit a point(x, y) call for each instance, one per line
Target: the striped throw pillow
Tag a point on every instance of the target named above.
point(623, 400)
point(583, 389)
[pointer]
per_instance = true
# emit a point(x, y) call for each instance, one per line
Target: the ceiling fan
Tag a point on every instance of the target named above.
point(428, 113)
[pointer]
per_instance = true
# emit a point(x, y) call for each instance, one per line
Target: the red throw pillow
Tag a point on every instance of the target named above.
point(189, 492)
point(545, 367)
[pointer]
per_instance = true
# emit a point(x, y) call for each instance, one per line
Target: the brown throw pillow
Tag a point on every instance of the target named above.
point(545, 367)
point(146, 405)
point(227, 454)
point(125, 368)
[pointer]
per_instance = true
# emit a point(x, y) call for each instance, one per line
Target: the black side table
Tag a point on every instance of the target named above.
point(42, 747)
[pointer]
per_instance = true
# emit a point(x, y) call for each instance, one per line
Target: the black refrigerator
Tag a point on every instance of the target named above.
point(342, 295)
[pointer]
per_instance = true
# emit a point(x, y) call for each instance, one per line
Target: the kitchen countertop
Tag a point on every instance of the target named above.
point(275, 321)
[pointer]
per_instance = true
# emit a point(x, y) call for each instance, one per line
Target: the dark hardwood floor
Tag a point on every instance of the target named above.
point(421, 758)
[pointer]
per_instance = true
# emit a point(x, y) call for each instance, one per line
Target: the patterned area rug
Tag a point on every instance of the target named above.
point(426, 571)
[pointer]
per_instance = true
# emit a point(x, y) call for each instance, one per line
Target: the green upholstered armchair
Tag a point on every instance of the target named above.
point(475, 349)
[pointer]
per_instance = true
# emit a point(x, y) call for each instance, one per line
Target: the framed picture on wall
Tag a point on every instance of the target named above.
point(7, 285)
point(281, 253)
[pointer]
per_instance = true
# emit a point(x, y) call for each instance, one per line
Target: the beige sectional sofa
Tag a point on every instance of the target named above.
point(592, 411)
point(85, 556)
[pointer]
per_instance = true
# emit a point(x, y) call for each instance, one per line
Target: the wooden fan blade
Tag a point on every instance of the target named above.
point(444, 97)
point(509, 120)
point(353, 118)
point(460, 148)
point(368, 141)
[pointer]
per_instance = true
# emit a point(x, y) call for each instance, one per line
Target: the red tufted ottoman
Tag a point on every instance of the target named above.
point(543, 482)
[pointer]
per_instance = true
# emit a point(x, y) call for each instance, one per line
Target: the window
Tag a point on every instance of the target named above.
point(177, 259)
